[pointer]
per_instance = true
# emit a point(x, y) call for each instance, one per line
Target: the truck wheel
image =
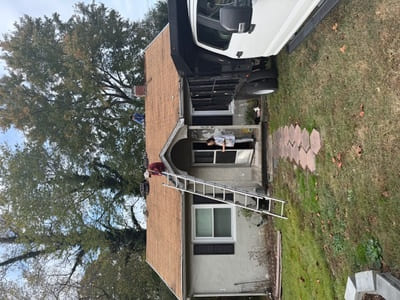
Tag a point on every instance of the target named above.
point(258, 88)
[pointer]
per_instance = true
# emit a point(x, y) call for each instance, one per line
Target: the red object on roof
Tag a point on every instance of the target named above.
point(139, 90)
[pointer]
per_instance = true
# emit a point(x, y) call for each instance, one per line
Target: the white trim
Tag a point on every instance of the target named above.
point(222, 127)
point(227, 112)
point(228, 295)
point(236, 163)
point(230, 239)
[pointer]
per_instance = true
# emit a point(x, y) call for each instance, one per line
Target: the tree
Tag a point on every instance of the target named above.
point(69, 83)
point(122, 275)
point(64, 193)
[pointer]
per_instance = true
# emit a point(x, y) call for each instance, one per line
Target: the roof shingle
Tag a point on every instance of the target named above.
point(164, 222)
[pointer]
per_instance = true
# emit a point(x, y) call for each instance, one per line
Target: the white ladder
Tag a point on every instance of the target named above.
point(230, 195)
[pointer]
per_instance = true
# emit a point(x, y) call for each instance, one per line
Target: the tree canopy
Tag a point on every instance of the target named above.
point(64, 194)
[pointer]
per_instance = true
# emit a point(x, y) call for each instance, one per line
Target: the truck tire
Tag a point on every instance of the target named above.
point(257, 88)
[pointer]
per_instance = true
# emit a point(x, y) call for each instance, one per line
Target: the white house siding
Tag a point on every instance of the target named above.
point(228, 175)
point(245, 271)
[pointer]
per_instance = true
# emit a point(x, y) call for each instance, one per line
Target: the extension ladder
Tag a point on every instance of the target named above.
point(230, 195)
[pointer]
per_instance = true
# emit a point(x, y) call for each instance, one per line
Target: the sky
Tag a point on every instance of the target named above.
point(12, 10)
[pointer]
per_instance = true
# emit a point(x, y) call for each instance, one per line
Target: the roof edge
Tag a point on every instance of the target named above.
point(179, 125)
point(166, 284)
point(162, 30)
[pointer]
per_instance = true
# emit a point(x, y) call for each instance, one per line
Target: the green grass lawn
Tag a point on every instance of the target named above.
point(345, 82)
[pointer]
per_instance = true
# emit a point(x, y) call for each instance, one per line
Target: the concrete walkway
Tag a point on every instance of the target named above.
point(295, 144)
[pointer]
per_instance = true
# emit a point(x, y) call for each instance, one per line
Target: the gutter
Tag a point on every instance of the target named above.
point(229, 295)
point(183, 246)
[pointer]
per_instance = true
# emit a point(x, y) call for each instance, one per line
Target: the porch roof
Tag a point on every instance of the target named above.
point(164, 206)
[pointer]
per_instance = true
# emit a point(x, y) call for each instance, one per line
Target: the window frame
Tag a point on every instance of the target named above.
point(213, 239)
point(214, 157)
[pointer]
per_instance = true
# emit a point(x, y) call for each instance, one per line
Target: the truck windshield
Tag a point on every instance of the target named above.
point(209, 30)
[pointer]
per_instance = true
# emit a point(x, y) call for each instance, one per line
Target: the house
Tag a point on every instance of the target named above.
point(198, 246)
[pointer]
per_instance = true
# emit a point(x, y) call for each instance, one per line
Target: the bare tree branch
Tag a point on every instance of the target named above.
point(134, 219)
point(25, 256)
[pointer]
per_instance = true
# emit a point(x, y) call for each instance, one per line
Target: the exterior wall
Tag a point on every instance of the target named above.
point(244, 271)
point(228, 175)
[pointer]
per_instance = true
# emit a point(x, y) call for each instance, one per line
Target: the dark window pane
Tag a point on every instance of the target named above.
point(227, 157)
point(212, 120)
point(222, 222)
point(204, 157)
point(216, 249)
point(197, 199)
point(213, 37)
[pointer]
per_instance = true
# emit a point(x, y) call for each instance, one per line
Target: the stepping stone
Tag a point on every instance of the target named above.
point(351, 289)
point(278, 136)
point(283, 150)
point(297, 135)
point(305, 140)
point(291, 134)
point(295, 154)
point(302, 158)
point(311, 161)
point(366, 281)
point(388, 286)
point(275, 151)
point(315, 141)
point(285, 135)
point(288, 149)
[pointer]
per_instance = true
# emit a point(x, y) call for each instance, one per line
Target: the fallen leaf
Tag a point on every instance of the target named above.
point(318, 281)
point(386, 194)
point(333, 160)
point(343, 49)
point(318, 215)
point(334, 27)
point(302, 279)
point(378, 89)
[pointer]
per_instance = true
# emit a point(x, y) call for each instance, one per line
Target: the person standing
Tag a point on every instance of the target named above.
point(226, 140)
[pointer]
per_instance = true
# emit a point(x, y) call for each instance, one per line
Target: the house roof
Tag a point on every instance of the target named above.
point(164, 206)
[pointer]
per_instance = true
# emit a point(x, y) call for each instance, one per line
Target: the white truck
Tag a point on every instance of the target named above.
point(226, 48)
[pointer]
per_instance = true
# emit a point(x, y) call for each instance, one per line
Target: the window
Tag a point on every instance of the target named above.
point(213, 222)
point(214, 157)
point(217, 157)
point(213, 37)
point(209, 30)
